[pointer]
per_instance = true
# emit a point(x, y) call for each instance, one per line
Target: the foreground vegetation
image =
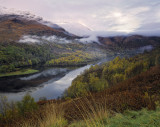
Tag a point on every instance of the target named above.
point(142, 118)
point(27, 113)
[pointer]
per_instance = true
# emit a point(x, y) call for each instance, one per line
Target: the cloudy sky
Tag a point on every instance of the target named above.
point(129, 16)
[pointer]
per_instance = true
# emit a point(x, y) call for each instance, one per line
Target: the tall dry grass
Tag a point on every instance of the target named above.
point(93, 114)
point(97, 115)
point(50, 115)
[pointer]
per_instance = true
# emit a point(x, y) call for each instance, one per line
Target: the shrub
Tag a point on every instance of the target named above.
point(157, 60)
point(26, 105)
point(42, 99)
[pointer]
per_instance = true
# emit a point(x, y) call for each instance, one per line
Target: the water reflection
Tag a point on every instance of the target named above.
point(46, 73)
point(50, 89)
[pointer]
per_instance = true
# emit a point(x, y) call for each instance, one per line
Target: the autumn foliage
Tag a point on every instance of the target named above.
point(133, 94)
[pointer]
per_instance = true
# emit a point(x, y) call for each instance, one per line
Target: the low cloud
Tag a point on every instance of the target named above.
point(32, 39)
point(29, 39)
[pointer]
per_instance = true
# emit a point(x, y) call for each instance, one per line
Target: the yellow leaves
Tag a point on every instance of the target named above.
point(74, 58)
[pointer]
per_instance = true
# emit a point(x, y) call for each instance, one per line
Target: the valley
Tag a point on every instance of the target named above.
point(78, 77)
point(55, 78)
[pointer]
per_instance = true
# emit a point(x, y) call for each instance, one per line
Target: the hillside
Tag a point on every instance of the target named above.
point(132, 94)
point(131, 41)
point(13, 27)
point(100, 77)
point(16, 56)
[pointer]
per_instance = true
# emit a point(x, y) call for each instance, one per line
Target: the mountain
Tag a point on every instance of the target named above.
point(132, 41)
point(78, 29)
point(14, 26)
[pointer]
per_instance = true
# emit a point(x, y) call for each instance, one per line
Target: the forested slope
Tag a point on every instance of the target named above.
point(100, 77)
point(19, 55)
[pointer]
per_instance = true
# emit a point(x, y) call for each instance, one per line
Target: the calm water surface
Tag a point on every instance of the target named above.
point(51, 89)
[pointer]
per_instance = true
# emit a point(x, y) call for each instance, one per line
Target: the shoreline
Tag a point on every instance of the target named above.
point(19, 73)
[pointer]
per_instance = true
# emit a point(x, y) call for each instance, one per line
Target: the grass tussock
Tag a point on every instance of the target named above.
point(49, 116)
point(92, 113)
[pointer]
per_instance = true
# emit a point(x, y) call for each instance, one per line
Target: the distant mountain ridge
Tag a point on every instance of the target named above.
point(132, 41)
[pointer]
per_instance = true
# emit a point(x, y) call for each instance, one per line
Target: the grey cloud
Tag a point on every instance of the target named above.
point(100, 15)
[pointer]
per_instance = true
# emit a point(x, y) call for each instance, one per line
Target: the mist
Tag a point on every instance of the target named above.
point(46, 73)
point(32, 39)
